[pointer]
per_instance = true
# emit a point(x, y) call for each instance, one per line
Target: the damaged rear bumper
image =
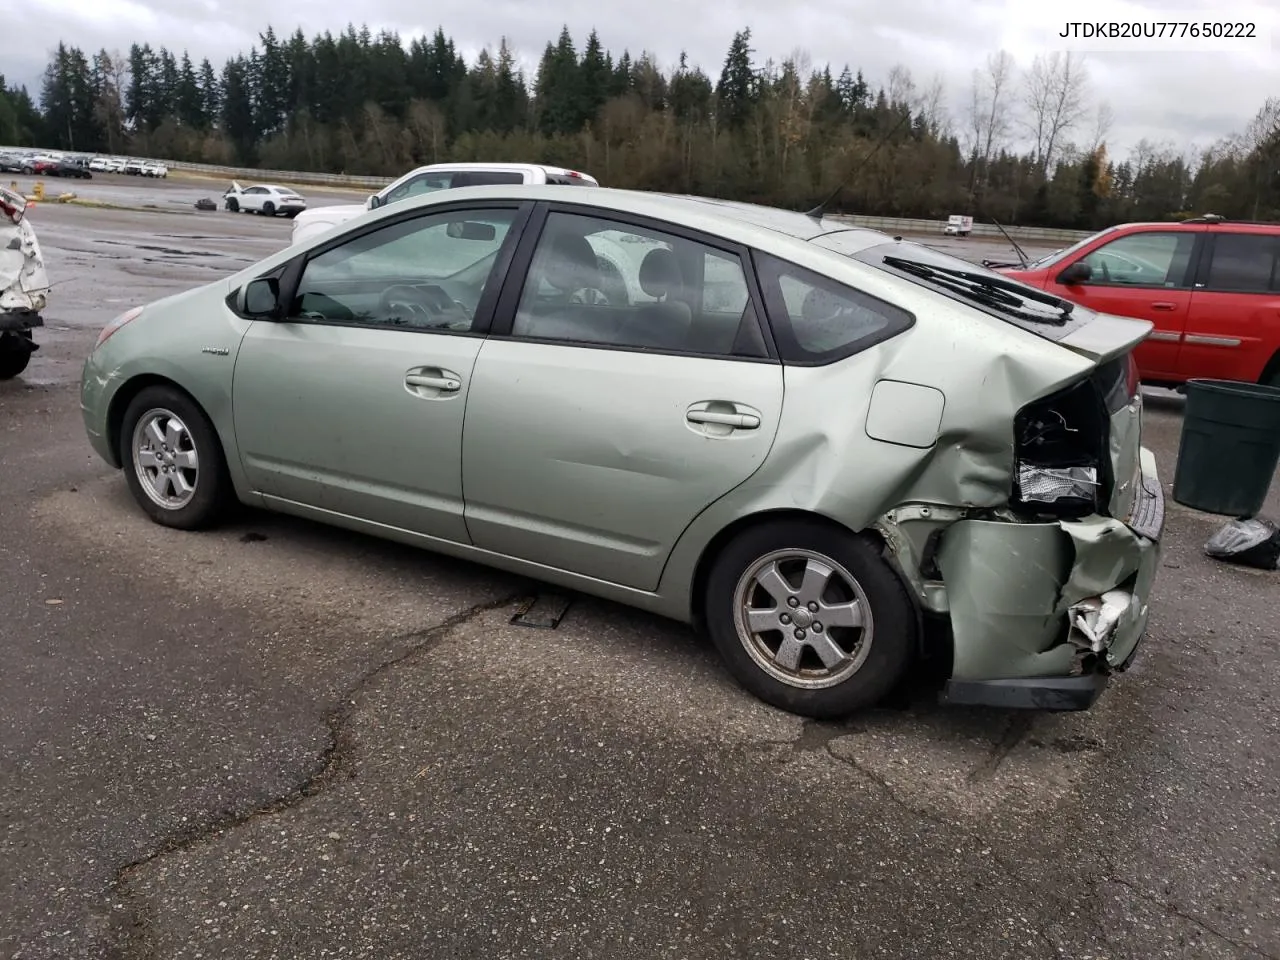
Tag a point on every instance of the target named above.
point(1043, 613)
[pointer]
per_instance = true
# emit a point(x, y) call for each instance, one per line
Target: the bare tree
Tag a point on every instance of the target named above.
point(1261, 143)
point(1103, 118)
point(931, 104)
point(1055, 93)
point(989, 118)
point(902, 87)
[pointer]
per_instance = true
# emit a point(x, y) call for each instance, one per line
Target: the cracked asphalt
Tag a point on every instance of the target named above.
point(283, 740)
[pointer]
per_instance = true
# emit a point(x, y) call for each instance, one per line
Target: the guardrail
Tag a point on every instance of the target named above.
point(894, 225)
point(890, 225)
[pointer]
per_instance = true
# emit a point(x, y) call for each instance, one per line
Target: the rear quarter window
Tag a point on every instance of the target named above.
point(817, 320)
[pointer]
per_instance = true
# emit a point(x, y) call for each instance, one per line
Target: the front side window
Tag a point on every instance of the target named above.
point(1154, 259)
point(418, 186)
point(428, 272)
point(817, 320)
point(1244, 263)
point(597, 281)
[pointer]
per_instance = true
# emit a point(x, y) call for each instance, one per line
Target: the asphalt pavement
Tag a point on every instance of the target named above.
point(283, 740)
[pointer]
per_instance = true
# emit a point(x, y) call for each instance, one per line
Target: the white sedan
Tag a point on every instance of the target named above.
point(265, 198)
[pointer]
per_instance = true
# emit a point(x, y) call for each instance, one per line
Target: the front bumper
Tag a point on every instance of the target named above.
point(1043, 613)
point(20, 320)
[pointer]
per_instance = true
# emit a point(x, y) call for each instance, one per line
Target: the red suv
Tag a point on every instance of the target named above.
point(1211, 287)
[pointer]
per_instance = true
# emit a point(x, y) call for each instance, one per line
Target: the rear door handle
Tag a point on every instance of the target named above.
point(435, 383)
point(740, 421)
point(1164, 305)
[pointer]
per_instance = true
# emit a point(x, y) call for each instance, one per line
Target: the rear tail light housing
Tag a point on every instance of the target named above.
point(1060, 446)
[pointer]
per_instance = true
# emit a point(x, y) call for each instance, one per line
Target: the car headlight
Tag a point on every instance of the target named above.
point(116, 324)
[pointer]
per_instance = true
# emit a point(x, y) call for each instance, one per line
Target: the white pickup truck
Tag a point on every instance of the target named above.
point(436, 176)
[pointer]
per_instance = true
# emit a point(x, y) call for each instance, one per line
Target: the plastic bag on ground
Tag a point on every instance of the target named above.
point(1252, 542)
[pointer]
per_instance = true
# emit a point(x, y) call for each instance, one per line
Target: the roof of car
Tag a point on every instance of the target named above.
point(723, 217)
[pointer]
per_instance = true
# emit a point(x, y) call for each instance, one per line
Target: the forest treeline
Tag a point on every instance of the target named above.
point(1024, 147)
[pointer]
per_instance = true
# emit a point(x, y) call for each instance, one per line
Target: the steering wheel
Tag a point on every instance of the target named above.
point(411, 307)
point(591, 295)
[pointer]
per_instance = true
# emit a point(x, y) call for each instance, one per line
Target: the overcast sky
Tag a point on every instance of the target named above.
point(1186, 91)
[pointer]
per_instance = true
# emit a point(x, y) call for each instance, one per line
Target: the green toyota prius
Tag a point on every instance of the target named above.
point(818, 443)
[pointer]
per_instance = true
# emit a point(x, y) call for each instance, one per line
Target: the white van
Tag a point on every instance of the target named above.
point(428, 179)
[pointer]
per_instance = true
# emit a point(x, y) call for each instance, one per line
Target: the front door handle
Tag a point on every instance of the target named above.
point(1164, 305)
point(449, 384)
point(739, 421)
point(432, 383)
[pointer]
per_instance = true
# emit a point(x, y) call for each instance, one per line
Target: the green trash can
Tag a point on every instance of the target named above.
point(1229, 448)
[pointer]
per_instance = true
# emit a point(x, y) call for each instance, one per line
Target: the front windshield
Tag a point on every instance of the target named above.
point(1065, 252)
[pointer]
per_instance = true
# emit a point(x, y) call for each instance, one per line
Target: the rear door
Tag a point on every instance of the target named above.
point(1233, 328)
point(626, 386)
point(1146, 274)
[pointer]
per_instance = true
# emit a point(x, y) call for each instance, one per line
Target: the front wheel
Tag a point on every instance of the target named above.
point(15, 354)
point(173, 461)
point(233, 205)
point(810, 618)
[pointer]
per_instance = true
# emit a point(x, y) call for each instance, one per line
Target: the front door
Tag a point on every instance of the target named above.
point(1145, 274)
point(353, 403)
point(626, 388)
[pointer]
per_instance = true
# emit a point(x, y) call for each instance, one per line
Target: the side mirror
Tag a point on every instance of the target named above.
point(262, 298)
point(471, 230)
point(374, 202)
point(1078, 272)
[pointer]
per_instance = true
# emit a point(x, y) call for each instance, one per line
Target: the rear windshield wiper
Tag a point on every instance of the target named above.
point(1007, 296)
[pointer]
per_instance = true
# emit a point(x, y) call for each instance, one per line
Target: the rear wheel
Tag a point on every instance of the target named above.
point(269, 209)
point(15, 353)
point(810, 618)
point(173, 461)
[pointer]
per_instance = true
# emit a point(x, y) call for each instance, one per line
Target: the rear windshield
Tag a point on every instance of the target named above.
point(559, 178)
point(1056, 325)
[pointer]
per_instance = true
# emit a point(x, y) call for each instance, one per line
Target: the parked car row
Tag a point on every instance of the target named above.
point(133, 167)
point(45, 165)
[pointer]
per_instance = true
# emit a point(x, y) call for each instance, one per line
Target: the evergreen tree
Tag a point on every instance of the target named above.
point(559, 89)
point(736, 91)
point(594, 79)
point(188, 98)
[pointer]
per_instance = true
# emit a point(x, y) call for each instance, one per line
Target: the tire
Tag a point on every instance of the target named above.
point(14, 355)
point(268, 209)
point(233, 205)
point(206, 489)
point(874, 656)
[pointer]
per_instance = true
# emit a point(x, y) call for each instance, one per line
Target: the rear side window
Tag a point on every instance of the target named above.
point(818, 320)
point(1244, 262)
point(561, 180)
point(485, 178)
